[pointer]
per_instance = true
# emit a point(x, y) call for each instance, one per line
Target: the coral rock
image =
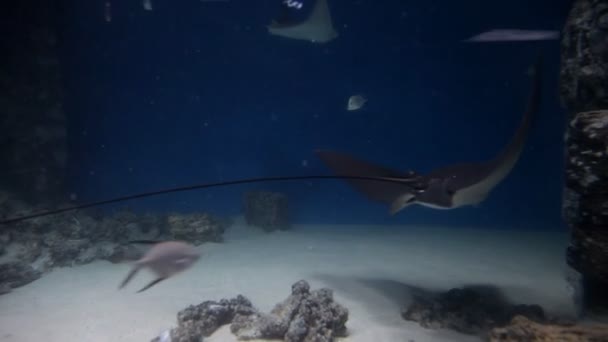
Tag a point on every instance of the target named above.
point(468, 310)
point(196, 228)
point(305, 316)
point(522, 329)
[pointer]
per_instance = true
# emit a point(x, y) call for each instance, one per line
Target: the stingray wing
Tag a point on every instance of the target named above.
point(318, 27)
point(381, 191)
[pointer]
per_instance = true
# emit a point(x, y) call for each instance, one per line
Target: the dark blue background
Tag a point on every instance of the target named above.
point(196, 92)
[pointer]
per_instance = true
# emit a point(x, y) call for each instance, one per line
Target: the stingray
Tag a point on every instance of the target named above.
point(444, 188)
point(165, 259)
point(317, 28)
point(449, 187)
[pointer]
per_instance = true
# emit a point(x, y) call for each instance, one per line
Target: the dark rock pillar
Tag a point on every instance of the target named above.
point(584, 93)
point(32, 120)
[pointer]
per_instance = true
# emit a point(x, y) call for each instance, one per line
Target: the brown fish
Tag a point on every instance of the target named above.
point(165, 259)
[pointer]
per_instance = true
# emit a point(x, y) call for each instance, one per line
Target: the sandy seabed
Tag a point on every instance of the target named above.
point(369, 268)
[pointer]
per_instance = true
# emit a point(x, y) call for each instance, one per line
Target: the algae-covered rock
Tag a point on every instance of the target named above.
point(196, 228)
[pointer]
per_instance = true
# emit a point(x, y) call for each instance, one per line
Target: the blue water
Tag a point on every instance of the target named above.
point(197, 92)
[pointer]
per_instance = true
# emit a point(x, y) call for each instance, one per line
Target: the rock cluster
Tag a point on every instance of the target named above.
point(305, 316)
point(267, 210)
point(523, 329)
point(584, 93)
point(468, 310)
point(196, 228)
point(198, 321)
point(30, 248)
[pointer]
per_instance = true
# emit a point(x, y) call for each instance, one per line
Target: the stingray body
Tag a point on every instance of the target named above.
point(316, 28)
point(448, 187)
point(165, 259)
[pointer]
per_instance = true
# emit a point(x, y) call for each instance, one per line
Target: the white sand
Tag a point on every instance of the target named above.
point(367, 267)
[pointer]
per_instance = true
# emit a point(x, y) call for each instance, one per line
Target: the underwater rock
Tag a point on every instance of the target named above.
point(523, 329)
point(72, 239)
point(584, 57)
point(126, 225)
point(24, 247)
point(14, 274)
point(472, 310)
point(198, 321)
point(304, 316)
point(267, 210)
point(120, 253)
point(196, 228)
point(68, 252)
point(587, 208)
point(78, 238)
point(584, 93)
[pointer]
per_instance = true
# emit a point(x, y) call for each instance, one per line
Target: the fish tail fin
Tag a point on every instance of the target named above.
point(131, 274)
point(402, 202)
point(152, 283)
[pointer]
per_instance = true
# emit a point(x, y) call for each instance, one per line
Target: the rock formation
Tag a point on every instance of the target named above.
point(584, 93)
point(267, 210)
point(30, 248)
point(469, 310)
point(523, 329)
point(305, 316)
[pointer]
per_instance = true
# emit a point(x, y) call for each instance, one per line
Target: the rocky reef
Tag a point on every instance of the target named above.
point(469, 310)
point(584, 93)
point(483, 311)
point(196, 228)
point(267, 210)
point(30, 248)
point(523, 329)
point(305, 316)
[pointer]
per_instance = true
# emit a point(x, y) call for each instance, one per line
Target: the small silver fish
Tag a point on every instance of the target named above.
point(147, 5)
point(107, 11)
point(508, 35)
point(356, 102)
point(165, 259)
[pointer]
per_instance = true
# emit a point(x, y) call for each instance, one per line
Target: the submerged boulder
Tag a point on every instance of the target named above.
point(196, 228)
point(198, 321)
point(305, 316)
point(267, 210)
point(523, 329)
point(30, 248)
point(584, 93)
point(473, 310)
point(14, 274)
